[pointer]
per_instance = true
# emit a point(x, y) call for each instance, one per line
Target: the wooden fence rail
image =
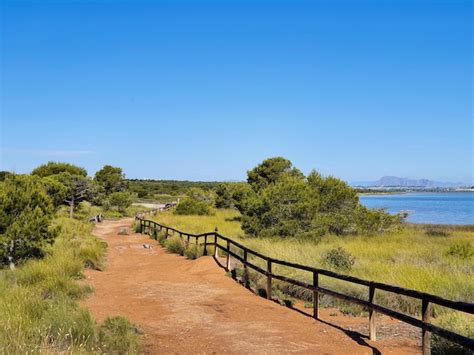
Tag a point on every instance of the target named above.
point(427, 300)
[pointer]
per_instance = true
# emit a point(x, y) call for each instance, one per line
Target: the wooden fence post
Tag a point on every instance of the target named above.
point(269, 280)
point(154, 232)
point(246, 270)
point(167, 230)
point(215, 246)
point(205, 246)
point(228, 256)
point(315, 295)
point(141, 226)
point(372, 326)
point(426, 335)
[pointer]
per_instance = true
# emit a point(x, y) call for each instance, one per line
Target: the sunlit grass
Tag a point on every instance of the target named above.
point(409, 258)
point(38, 301)
point(414, 258)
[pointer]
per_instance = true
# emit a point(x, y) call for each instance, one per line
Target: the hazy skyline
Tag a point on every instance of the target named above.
point(203, 90)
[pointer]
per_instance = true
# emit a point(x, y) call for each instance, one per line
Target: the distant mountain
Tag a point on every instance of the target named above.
point(394, 181)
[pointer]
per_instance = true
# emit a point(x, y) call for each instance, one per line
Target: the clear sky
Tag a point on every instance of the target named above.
point(205, 90)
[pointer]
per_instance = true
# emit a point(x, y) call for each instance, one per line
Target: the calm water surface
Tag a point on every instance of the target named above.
point(438, 208)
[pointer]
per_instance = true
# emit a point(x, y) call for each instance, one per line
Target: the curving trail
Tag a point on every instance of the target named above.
point(184, 306)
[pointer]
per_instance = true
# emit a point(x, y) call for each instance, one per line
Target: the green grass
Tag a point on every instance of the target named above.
point(38, 301)
point(414, 258)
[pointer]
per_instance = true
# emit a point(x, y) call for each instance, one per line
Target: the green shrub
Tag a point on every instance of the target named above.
point(432, 232)
point(190, 206)
point(120, 336)
point(26, 212)
point(462, 250)
point(285, 203)
point(137, 227)
point(339, 259)
point(175, 245)
point(122, 200)
point(193, 251)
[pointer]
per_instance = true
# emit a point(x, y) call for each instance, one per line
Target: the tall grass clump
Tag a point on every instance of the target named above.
point(175, 245)
point(38, 300)
point(193, 251)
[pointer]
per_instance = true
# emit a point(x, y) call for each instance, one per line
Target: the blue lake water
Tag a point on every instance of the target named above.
point(425, 207)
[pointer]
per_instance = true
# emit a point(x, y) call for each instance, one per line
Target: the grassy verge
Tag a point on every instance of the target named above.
point(38, 301)
point(433, 259)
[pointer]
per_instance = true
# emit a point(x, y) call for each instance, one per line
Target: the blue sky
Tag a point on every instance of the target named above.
point(205, 90)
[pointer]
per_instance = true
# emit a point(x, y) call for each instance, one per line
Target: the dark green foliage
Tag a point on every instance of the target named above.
point(432, 232)
point(149, 189)
point(281, 209)
point(65, 183)
point(461, 250)
point(270, 171)
point(339, 259)
point(287, 204)
point(78, 189)
point(56, 189)
point(199, 194)
point(111, 179)
point(369, 221)
point(175, 245)
point(121, 200)
point(26, 212)
point(232, 194)
point(3, 175)
point(193, 251)
point(190, 206)
point(55, 168)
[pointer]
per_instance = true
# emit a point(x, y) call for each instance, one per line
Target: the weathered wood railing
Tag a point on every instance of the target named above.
point(427, 300)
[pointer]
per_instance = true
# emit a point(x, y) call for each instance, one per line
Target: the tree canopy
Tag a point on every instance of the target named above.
point(270, 171)
point(286, 204)
point(55, 168)
point(111, 179)
point(26, 212)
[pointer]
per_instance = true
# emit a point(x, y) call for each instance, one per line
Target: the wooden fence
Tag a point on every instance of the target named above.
point(427, 300)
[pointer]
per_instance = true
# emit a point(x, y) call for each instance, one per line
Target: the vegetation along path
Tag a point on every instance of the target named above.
point(191, 306)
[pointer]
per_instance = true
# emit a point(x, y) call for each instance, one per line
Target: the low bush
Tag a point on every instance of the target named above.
point(462, 250)
point(193, 251)
point(339, 259)
point(432, 232)
point(175, 245)
point(190, 206)
point(137, 227)
point(120, 335)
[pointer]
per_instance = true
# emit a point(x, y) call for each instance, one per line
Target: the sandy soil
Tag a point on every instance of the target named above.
point(184, 306)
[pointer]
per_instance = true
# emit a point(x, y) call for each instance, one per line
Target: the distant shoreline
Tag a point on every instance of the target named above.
point(382, 192)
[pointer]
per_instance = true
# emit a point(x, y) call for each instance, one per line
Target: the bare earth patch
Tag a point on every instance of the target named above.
point(185, 306)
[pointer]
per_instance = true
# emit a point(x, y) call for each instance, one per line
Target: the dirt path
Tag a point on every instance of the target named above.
point(185, 306)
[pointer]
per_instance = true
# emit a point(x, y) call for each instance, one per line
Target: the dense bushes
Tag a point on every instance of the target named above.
point(197, 202)
point(232, 194)
point(286, 203)
point(190, 206)
point(26, 212)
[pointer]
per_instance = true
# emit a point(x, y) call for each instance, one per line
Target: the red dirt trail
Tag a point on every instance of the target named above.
point(191, 306)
